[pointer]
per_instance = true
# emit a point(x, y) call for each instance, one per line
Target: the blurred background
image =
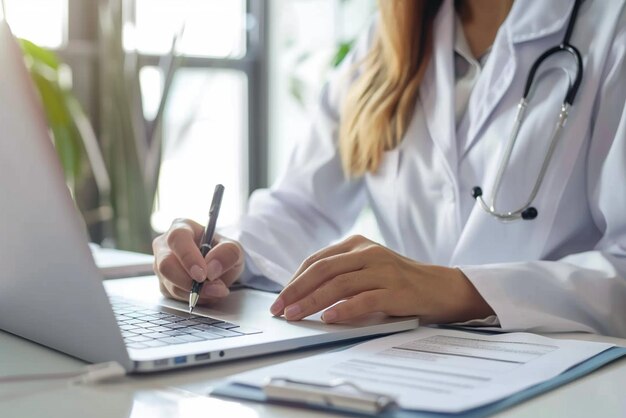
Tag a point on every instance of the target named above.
point(153, 102)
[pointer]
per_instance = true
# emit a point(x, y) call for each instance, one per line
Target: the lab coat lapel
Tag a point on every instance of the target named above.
point(526, 25)
point(528, 20)
point(437, 89)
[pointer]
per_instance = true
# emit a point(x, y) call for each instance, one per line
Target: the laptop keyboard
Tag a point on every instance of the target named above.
point(143, 327)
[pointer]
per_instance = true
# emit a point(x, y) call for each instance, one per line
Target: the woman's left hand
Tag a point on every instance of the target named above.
point(365, 277)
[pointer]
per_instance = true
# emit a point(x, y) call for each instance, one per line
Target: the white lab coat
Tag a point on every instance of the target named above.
point(563, 271)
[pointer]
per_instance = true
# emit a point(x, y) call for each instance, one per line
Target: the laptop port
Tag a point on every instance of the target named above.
point(180, 360)
point(203, 356)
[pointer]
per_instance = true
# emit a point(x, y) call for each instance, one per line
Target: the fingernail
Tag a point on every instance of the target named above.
point(197, 273)
point(329, 316)
point(214, 269)
point(217, 289)
point(278, 307)
point(292, 311)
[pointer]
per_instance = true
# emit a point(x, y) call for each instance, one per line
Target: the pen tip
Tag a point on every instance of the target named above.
point(190, 309)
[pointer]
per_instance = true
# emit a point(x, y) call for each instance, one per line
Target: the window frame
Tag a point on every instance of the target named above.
point(81, 50)
point(254, 65)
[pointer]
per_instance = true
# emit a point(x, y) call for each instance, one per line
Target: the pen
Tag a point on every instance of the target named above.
point(207, 239)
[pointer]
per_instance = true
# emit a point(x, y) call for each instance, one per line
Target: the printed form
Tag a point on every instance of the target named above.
point(438, 369)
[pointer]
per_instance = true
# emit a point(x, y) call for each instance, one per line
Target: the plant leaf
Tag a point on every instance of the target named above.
point(342, 51)
point(40, 54)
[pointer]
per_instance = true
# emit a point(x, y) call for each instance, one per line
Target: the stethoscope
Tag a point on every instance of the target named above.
point(528, 212)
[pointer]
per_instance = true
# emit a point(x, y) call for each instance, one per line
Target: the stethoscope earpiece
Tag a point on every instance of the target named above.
point(477, 192)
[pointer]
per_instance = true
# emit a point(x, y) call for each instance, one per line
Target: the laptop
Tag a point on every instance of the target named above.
point(51, 291)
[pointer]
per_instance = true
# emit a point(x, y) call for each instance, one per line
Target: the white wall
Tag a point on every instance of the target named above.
point(303, 38)
point(304, 35)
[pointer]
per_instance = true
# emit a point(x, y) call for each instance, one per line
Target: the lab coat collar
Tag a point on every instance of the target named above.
point(528, 20)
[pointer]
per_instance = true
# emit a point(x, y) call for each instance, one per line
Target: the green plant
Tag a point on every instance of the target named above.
point(124, 159)
point(71, 131)
point(131, 144)
point(63, 112)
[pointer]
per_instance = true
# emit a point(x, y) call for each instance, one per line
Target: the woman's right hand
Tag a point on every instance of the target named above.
point(178, 261)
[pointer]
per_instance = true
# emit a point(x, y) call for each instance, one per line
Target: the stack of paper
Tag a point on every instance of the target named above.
point(437, 370)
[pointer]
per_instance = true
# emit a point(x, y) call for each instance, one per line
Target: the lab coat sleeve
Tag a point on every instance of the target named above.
point(312, 204)
point(584, 291)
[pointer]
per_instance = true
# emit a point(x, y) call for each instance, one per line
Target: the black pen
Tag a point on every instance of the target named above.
point(207, 239)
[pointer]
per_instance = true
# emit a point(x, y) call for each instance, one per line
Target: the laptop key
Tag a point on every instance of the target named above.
point(134, 315)
point(206, 335)
point(208, 321)
point(225, 325)
point(168, 319)
point(173, 340)
point(190, 338)
point(159, 322)
point(224, 332)
point(141, 331)
point(189, 323)
point(175, 326)
point(157, 328)
point(127, 327)
point(176, 319)
point(138, 339)
point(175, 333)
point(146, 311)
point(202, 327)
point(156, 335)
point(148, 318)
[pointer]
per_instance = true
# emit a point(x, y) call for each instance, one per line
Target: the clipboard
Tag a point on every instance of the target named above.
point(347, 398)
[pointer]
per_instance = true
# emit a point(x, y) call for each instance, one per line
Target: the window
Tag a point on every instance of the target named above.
point(216, 98)
point(40, 21)
point(213, 28)
point(204, 144)
point(212, 104)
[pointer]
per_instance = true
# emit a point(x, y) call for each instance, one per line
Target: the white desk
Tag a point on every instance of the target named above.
point(181, 393)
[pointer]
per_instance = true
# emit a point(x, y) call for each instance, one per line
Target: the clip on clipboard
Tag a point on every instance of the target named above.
point(337, 394)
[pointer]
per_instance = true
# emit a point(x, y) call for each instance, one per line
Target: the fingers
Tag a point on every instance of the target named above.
point(211, 292)
point(312, 278)
point(361, 304)
point(225, 261)
point(178, 261)
point(169, 269)
point(182, 239)
point(214, 289)
point(339, 288)
point(344, 246)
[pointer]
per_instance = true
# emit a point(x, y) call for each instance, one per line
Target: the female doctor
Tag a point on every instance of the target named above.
point(489, 217)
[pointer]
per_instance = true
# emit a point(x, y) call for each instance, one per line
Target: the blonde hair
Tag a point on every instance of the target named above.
point(379, 104)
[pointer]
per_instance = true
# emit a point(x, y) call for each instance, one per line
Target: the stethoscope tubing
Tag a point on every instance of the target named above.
point(528, 212)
